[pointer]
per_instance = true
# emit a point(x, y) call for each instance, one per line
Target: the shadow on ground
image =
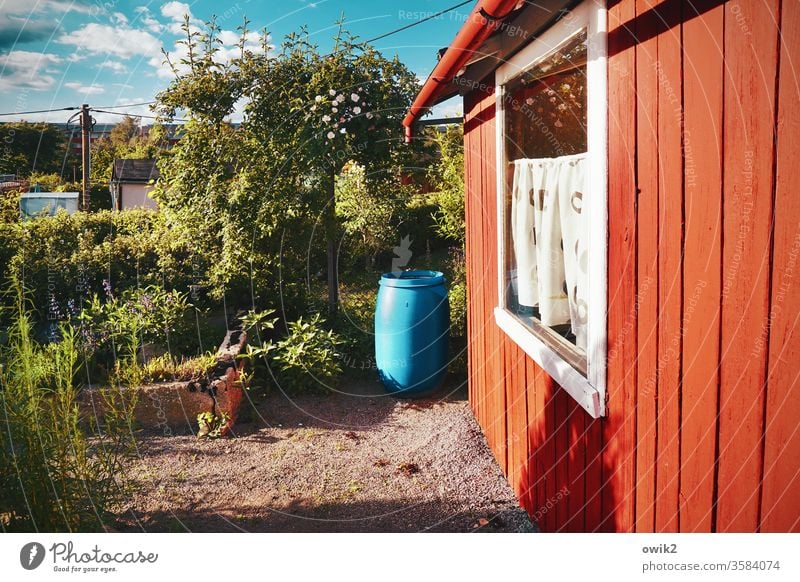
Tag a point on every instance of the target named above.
point(365, 462)
point(305, 517)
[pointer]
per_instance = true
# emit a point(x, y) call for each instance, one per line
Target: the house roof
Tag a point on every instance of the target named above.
point(137, 171)
point(494, 32)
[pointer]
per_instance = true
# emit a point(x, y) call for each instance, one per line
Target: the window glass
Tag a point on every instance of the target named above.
point(546, 232)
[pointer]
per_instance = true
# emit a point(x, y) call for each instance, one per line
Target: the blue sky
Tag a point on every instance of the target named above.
point(59, 53)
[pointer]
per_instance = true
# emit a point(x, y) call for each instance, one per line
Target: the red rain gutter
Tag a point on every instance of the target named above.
point(482, 21)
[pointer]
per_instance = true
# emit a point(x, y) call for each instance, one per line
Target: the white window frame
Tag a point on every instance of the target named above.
point(590, 390)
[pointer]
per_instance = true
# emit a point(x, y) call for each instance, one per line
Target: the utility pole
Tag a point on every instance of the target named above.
point(86, 128)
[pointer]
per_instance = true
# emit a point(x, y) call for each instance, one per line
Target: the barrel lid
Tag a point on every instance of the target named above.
point(412, 279)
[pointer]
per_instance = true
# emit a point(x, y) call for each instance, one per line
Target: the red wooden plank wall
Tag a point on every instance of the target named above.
point(703, 325)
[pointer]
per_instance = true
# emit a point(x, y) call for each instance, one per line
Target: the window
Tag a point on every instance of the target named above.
point(552, 211)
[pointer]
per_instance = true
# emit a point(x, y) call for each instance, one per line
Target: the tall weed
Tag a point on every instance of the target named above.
point(55, 473)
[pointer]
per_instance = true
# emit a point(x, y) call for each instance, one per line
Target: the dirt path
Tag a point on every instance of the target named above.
point(342, 462)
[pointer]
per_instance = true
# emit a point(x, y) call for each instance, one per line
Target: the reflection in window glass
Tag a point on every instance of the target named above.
point(546, 231)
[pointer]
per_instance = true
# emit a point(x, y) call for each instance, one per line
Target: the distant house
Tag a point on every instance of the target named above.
point(131, 183)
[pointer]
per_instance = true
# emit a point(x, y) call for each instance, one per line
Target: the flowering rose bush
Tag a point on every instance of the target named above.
point(252, 196)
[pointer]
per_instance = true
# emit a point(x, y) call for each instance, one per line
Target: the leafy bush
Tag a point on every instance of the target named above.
point(257, 324)
point(420, 227)
point(65, 258)
point(210, 425)
point(371, 209)
point(124, 325)
point(456, 266)
point(448, 178)
point(54, 474)
point(148, 315)
point(356, 327)
point(307, 359)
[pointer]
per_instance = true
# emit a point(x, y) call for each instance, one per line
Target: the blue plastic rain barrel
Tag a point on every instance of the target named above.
point(412, 329)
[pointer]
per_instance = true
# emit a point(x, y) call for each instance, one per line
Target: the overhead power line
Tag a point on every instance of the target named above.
point(126, 114)
point(39, 111)
point(420, 21)
point(123, 106)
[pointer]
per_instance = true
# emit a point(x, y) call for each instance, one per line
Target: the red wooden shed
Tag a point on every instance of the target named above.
point(633, 234)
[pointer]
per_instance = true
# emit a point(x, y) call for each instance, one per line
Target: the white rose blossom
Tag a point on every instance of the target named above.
point(326, 118)
point(331, 135)
point(356, 110)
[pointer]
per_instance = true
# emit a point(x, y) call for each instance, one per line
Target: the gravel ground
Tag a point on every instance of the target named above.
point(358, 462)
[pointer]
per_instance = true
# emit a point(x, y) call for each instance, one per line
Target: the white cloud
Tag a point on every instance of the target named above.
point(50, 6)
point(103, 39)
point(176, 12)
point(449, 108)
point(152, 24)
point(147, 19)
point(85, 89)
point(27, 70)
point(115, 66)
point(229, 37)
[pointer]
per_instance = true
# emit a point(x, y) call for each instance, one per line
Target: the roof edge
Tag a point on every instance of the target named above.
point(482, 21)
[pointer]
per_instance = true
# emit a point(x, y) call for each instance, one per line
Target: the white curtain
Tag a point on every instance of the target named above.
point(549, 233)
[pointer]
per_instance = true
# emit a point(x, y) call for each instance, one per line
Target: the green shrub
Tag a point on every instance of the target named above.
point(371, 209)
point(210, 425)
point(307, 359)
point(456, 268)
point(65, 258)
point(448, 178)
point(257, 324)
point(356, 327)
point(55, 475)
point(122, 325)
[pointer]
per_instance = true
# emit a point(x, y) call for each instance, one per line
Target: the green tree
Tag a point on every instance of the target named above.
point(124, 133)
point(125, 141)
point(366, 209)
point(447, 177)
point(253, 195)
point(31, 147)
